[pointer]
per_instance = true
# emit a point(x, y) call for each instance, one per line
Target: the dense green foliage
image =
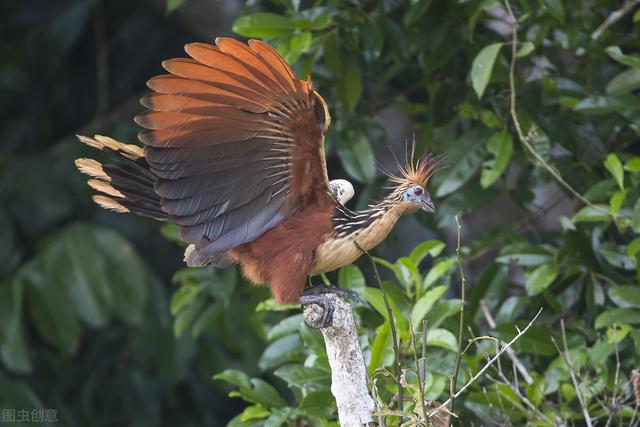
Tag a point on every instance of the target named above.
point(546, 190)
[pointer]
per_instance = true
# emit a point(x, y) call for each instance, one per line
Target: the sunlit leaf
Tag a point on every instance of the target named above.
point(482, 67)
point(614, 166)
point(625, 82)
point(540, 278)
point(615, 316)
point(555, 8)
point(424, 305)
point(500, 144)
point(263, 25)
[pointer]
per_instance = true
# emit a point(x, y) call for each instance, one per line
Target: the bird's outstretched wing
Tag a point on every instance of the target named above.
point(235, 141)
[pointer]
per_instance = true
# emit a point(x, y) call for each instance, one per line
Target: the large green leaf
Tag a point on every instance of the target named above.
point(465, 160)
point(356, 156)
point(625, 82)
point(555, 8)
point(630, 316)
point(47, 303)
point(500, 144)
point(540, 278)
point(482, 67)
point(13, 345)
point(424, 305)
point(629, 60)
point(614, 166)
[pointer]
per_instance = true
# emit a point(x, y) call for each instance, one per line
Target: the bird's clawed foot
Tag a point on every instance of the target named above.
point(324, 302)
point(317, 294)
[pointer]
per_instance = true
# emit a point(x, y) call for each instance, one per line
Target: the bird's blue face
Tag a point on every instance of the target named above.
point(419, 196)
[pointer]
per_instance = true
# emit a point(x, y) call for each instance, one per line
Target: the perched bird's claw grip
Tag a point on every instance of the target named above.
point(346, 294)
point(320, 320)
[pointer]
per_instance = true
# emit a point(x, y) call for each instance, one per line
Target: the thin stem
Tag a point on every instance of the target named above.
point(392, 325)
point(512, 354)
point(574, 379)
point(614, 17)
point(454, 379)
point(420, 372)
point(525, 139)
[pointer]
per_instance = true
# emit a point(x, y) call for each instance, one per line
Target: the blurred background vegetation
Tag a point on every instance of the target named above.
point(100, 320)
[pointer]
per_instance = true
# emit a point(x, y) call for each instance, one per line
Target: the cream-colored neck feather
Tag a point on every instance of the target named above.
point(336, 251)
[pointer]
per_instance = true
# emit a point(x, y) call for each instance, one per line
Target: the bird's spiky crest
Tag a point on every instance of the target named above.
point(415, 171)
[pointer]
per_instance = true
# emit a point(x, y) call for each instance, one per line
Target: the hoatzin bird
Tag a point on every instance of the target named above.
point(234, 154)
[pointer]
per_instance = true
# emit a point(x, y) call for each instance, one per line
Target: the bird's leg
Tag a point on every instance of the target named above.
point(317, 294)
point(327, 309)
point(325, 289)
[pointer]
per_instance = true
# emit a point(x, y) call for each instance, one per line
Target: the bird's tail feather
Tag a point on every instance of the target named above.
point(127, 187)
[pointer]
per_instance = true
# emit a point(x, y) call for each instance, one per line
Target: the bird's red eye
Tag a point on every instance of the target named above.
point(418, 191)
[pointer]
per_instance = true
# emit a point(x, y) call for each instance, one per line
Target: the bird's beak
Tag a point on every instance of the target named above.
point(426, 204)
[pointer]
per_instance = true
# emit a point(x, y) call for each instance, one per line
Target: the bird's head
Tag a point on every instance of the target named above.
point(410, 184)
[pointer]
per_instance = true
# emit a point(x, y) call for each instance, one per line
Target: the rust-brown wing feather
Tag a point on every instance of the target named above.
point(235, 142)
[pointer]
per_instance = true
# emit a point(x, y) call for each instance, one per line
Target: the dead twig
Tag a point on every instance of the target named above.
point(614, 17)
point(512, 354)
point(567, 360)
point(491, 361)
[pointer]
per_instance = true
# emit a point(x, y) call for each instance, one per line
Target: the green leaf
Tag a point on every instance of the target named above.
point(524, 254)
point(437, 271)
point(633, 165)
point(465, 161)
point(7, 240)
point(13, 345)
point(625, 296)
point(374, 297)
point(525, 49)
point(173, 5)
point(482, 67)
point(416, 11)
point(304, 377)
point(442, 338)
point(618, 260)
point(555, 9)
point(350, 277)
point(540, 278)
point(634, 247)
point(78, 265)
point(625, 82)
point(349, 84)
point(500, 144)
point(604, 105)
point(252, 390)
point(630, 60)
point(618, 316)
point(263, 25)
point(298, 44)
point(616, 201)
point(589, 214)
point(356, 156)
point(614, 166)
point(56, 324)
point(286, 326)
point(424, 305)
point(281, 351)
point(382, 348)
point(254, 412)
point(635, 219)
point(430, 247)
